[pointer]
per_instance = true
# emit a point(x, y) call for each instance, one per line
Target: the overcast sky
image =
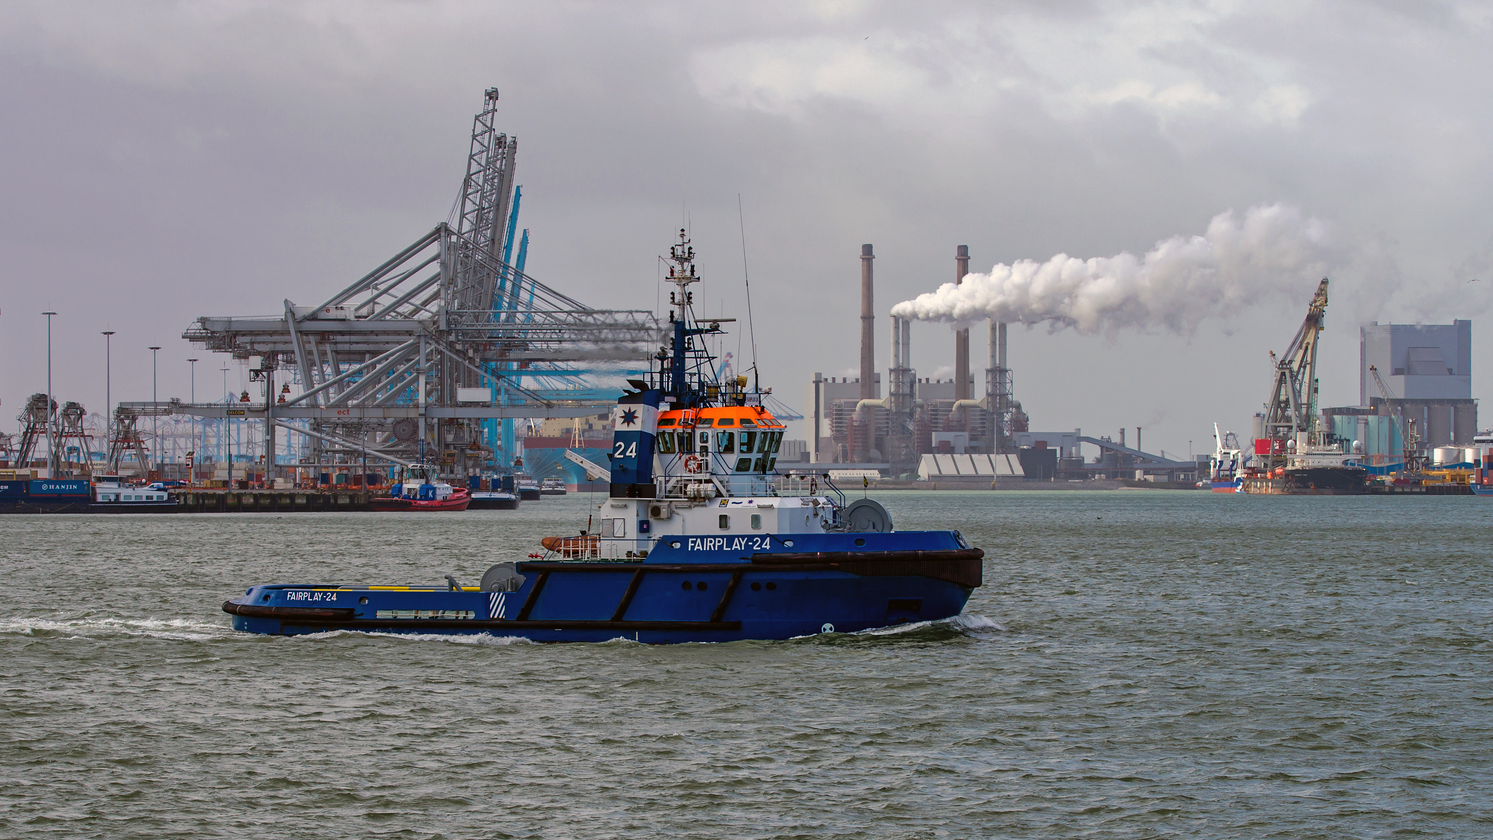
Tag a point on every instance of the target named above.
point(164, 160)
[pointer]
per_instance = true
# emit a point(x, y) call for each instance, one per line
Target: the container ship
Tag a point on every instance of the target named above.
point(106, 494)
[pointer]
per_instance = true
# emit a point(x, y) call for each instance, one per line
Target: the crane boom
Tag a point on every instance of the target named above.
point(1292, 407)
point(594, 471)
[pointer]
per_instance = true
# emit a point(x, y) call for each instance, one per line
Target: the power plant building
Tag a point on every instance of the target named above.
point(1427, 369)
point(1426, 393)
point(850, 421)
point(1417, 361)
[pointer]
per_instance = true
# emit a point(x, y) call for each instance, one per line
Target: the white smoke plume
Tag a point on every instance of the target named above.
point(1176, 285)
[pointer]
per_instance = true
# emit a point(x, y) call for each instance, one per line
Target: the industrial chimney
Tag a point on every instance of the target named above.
point(961, 338)
point(868, 318)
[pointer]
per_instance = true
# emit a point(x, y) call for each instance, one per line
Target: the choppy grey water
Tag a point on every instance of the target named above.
point(1138, 664)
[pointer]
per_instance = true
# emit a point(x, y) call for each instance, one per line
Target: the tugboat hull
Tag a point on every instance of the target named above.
point(777, 595)
point(456, 501)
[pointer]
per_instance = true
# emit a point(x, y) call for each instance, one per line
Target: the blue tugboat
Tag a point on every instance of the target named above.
point(700, 540)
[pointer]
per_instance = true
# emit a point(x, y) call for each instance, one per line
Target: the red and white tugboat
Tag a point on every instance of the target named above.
point(422, 489)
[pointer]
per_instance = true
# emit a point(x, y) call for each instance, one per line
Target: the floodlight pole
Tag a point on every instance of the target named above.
point(155, 432)
point(51, 451)
point(108, 391)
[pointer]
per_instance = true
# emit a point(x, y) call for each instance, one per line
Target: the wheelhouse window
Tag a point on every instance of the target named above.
point(725, 421)
point(748, 440)
point(743, 465)
point(725, 441)
point(704, 441)
point(666, 443)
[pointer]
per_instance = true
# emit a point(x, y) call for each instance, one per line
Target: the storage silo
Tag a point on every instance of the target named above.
point(1438, 425)
point(1466, 420)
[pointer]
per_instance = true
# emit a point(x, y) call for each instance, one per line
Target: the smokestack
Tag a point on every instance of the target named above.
point(961, 338)
point(900, 384)
point(868, 318)
point(896, 348)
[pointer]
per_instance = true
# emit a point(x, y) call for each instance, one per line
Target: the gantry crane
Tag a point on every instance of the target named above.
point(426, 351)
point(1292, 408)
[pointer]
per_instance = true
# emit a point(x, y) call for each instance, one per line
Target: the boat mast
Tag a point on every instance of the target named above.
point(684, 356)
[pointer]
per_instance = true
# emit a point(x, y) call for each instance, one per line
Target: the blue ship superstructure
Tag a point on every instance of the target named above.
point(700, 539)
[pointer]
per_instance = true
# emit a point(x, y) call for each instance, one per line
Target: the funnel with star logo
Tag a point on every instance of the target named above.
point(634, 425)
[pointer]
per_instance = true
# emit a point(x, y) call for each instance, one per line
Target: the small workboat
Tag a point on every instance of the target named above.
point(700, 539)
point(493, 492)
point(527, 488)
point(420, 488)
point(552, 487)
point(493, 500)
point(1226, 467)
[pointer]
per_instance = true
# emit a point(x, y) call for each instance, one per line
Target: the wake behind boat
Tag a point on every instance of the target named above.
point(700, 540)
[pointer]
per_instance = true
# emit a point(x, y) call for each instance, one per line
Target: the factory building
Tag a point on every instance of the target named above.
point(1431, 362)
point(1428, 371)
point(831, 426)
point(935, 429)
point(849, 421)
point(1415, 382)
point(948, 431)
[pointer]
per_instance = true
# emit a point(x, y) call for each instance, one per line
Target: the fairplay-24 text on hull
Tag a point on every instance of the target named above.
point(700, 539)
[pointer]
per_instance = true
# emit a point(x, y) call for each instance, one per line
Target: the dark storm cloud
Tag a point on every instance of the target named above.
point(167, 160)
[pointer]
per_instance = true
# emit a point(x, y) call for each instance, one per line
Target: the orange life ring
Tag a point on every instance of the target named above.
point(694, 464)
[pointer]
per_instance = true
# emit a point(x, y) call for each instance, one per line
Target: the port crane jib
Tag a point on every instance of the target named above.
point(1291, 412)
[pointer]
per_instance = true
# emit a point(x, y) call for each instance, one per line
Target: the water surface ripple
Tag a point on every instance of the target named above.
point(1139, 664)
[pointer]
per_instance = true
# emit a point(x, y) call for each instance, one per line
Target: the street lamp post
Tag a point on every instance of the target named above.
point(51, 451)
point(155, 431)
point(196, 428)
point(108, 394)
point(227, 428)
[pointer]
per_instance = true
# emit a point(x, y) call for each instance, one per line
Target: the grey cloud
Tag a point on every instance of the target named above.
point(164, 161)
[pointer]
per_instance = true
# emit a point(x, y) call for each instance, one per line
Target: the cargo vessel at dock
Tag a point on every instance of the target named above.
point(700, 538)
point(1295, 457)
point(104, 494)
